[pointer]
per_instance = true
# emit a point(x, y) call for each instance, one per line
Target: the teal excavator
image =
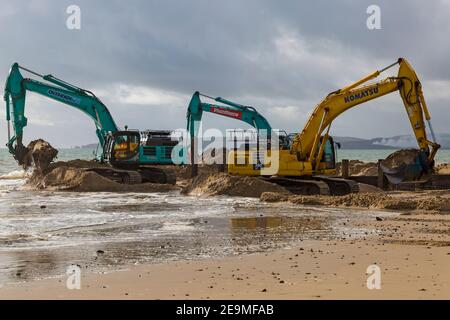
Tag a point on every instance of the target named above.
point(232, 110)
point(130, 153)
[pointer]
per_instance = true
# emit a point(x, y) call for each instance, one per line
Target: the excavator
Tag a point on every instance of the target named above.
point(233, 110)
point(129, 153)
point(228, 109)
point(308, 166)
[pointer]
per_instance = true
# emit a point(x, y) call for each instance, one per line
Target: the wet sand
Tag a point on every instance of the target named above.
point(314, 270)
point(412, 251)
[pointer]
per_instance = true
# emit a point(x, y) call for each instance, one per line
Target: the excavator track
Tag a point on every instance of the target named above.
point(318, 185)
point(141, 175)
point(118, 175)
point(157, 175)
point(300, 186)
point(339, 186)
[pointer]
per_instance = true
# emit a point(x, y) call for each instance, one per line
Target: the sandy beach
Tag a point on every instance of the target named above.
point(412, 251)
point(219, 236)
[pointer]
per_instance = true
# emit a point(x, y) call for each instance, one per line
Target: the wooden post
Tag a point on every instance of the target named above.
point(222, 167)
point(344, 168)
point(235, 149)
point(194, 162)
point(225, 159)
point(380, 180)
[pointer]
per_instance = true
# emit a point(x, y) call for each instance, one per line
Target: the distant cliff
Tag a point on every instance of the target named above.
point(395, 142)
point(87, 146)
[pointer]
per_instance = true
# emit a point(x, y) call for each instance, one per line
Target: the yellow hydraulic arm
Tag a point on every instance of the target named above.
point(308, 145)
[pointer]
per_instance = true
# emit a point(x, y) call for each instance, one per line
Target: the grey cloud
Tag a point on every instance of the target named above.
point(268, 54)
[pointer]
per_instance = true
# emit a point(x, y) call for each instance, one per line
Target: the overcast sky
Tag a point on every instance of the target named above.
point(146, 58)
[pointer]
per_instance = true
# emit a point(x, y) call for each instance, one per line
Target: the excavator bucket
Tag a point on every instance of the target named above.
point(408, 165)
point(20, 154)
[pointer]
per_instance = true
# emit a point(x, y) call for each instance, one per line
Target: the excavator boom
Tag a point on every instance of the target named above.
point(227, 109)
point(306, 144)
point(233, 110)
point(15, 96)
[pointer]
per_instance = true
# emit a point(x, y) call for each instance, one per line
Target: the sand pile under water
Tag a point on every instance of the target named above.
point(443, 168)
point(224, 184)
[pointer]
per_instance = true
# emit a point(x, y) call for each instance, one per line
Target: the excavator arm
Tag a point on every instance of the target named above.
point(227, 109)
point(309, 144)
point(15, 95)
point(232, 110)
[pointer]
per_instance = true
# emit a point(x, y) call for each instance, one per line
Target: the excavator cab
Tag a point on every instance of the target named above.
point(122, 148)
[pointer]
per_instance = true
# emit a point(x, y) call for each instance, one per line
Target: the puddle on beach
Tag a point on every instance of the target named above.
point(102, 232)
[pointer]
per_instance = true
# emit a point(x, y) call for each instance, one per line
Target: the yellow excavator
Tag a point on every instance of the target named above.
point(308, 166)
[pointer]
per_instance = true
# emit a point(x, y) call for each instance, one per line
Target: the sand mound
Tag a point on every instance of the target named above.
point(443, 168)
point(225, 184)
point(273, 197)
point(394, 160)
point(368, 188)
point(183, 172)
point(66, 178)
point(316, 199)
point(39, 155)
point(77, 163)
point(397, 158)
point(366, 200)
point(368, 169)
point(359, 168)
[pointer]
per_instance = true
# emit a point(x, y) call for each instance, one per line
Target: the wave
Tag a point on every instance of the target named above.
point(15, 175)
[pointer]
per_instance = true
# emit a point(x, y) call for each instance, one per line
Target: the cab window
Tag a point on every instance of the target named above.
point(328, 154)
point(125, 146)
